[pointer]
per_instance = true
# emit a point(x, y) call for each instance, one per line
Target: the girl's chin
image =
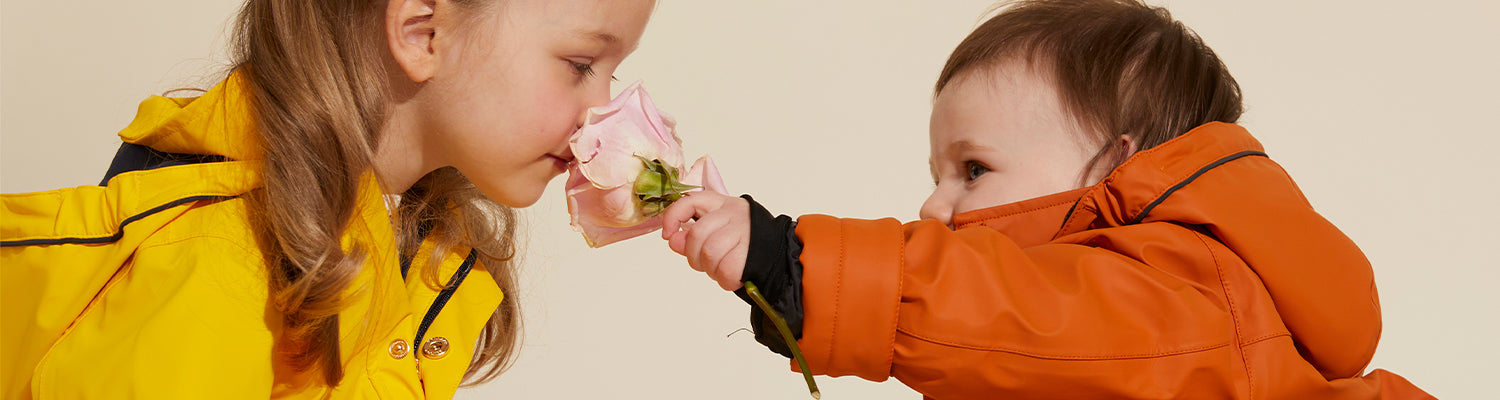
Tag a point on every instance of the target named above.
point(515, 196)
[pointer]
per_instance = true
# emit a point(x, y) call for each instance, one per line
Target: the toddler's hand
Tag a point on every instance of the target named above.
point(717, 242)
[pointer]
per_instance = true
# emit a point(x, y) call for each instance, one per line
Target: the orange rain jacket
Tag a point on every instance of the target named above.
point(1196, 270)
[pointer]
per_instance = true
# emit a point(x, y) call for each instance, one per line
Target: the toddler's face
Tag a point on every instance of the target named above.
point(518, 86)
point(1000, 135)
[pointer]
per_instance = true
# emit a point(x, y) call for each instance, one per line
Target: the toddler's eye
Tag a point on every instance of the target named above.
point(975, 170)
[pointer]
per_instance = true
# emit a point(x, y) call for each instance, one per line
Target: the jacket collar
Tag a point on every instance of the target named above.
point(1027, 222)
point(217, 123)
point(1144, 182)
point(1126, 196)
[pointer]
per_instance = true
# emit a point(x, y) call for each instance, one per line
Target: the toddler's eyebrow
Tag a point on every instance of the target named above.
point(965, 145)
point(957, 147)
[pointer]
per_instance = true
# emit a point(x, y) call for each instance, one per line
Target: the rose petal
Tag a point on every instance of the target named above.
point(705, 174)
point(598, 236)
point(604, 216)
point(613, 136)
point(608, 151)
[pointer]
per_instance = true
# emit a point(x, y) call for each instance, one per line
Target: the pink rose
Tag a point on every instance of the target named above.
point(626, 171)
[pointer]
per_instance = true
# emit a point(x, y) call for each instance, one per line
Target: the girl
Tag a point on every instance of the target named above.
point(1098, 228)
point(333, 220)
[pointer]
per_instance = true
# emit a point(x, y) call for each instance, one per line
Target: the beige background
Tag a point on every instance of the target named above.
point(1383, 110)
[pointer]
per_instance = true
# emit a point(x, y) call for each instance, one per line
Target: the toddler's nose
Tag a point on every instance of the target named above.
point(937, 208)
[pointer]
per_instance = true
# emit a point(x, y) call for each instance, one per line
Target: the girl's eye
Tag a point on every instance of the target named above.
point(587, 70)
point(975, 170)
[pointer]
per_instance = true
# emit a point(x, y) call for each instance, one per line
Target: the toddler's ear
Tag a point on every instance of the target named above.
point(1127, 146)
point(409, 29)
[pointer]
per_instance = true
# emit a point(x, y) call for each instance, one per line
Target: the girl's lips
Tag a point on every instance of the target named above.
point(558, 162)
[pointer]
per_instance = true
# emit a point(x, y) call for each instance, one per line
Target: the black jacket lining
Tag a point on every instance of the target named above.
point(134, 157)
point(406, 259)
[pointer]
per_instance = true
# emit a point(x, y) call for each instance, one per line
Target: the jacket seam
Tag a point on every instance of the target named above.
point(1182, 182)
point(119, 231)
point(1254, 341)
point(1190, 350)
point(1234, 315)
point(1073, 212)
point(49, 193)
point(1025, 211)
point(900, 276)
point(39, 372)
point(838, 290)
point(200, 235)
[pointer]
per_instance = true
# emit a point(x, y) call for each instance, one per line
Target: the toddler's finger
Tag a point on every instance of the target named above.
point(675, 215)
point(686, 209)
point(678, 243)
point(702, 231)
point(716, 248)
point(728, 284)
point(724, 250)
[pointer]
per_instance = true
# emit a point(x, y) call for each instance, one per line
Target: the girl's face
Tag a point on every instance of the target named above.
point(514, 84)
point(1000, 135)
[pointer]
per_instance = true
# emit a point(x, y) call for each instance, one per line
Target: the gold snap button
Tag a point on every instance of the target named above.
point(435, 348)
point(399, 349)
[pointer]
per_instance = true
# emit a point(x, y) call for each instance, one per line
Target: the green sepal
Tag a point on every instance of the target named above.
point(658, 186)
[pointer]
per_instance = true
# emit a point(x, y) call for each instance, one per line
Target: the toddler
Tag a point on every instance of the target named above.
point(1099, 228)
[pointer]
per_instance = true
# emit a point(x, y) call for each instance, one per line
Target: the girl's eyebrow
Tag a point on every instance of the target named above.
point(597, 36)
point(605, 39)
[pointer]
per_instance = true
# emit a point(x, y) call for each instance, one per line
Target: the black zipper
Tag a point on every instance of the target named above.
point(443, 296)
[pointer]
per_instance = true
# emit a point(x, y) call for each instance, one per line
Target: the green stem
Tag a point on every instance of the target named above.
point(786, 334)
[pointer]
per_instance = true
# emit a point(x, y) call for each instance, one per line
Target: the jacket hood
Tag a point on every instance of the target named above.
point(1218, 177)
point(216, 123)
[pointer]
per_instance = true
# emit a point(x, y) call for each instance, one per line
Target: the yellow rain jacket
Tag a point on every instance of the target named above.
point(153, 286)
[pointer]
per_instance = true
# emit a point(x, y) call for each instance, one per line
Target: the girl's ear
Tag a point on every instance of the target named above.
point(409, 30)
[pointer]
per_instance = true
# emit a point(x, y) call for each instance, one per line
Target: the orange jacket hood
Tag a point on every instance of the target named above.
point(1322, 284)
point(1319, 279)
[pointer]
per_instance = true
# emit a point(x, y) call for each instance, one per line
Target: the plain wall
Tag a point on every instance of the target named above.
point(1382, 110)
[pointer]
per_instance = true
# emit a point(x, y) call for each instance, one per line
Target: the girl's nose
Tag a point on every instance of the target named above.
point(937, 207)
point(594, 98)
point(583, 117)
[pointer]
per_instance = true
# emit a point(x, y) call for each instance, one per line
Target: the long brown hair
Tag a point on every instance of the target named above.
point(1121, 67)
point(317, 84)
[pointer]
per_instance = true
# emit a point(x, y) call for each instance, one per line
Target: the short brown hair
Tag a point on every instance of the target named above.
point(1121, 67)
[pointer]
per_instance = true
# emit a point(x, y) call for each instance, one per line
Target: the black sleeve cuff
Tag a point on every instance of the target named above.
point(772, 263)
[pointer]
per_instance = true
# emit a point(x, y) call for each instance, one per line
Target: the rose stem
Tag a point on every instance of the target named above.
point(786, 334)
